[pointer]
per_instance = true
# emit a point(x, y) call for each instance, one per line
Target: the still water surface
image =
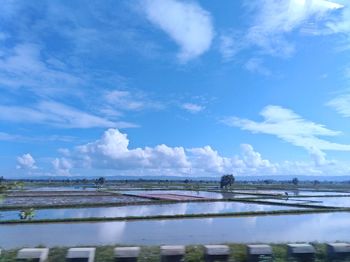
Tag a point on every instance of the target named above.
point(206, 194)
point(286, 228)
point(146, 210)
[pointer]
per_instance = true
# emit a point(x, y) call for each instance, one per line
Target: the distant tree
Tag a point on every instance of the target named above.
point(100, 181)
point(295, 181)
point(268, 181)
point(227, 180)
point(186, 181)
point(316, 182)
point(2, 179)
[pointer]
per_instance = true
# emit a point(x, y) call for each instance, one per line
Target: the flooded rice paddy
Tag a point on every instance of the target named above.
point(204, 194)
point(62, 200)
point(275, 229)
point(318, 201)
point(146, 210)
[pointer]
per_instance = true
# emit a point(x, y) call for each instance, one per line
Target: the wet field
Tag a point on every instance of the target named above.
point(125, 202)
point(252, 229)
point(147, 210)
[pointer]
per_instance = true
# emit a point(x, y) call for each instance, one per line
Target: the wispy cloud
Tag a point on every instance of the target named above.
point(24, 139)
point(192, 108)
point(56, 114)
point(341, 104)
point(23, 66)
point(132, 100)
point(255, 65)
point(187, 23)
point(292, 128)
point(274, 20)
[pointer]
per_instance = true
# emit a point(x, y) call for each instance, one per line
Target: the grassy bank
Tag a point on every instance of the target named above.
point(193, 253)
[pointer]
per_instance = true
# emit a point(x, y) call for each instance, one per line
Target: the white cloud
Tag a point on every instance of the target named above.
point(26, 161)
point(56, 114)
point(254, 159)
point(273, 21)
point(130, 100)
point(255, 65)
point(275, 18)
point(62, 166)
point(230, 45)
point(188, 24)
point(292, 128)
point(9, 137)
point(341, 104)
point(112, 152)
point(24, 66)
point(124, 100)
point(192, 108)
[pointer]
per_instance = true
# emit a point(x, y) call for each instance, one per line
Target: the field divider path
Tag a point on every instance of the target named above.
point(183, 216)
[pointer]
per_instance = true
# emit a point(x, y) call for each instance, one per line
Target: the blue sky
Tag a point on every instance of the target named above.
point(171, 87)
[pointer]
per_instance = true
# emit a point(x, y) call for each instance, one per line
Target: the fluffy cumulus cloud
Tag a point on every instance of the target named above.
point(292, 128)
point(112, 151)
point(187, 23)
point(111, 154)
point(62, 166)
point(26, 162)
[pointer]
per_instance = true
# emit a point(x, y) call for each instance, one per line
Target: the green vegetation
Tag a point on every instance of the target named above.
point(27, 214)
point(193, 253)
point(226, 181)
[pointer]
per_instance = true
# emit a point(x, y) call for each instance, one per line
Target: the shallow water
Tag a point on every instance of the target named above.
point(293, 192)
point(146, 210)
point(285, 228)
point(61, 188)
point(320, 201)
point(66, 200)
point(330, 201)
point(206, 194)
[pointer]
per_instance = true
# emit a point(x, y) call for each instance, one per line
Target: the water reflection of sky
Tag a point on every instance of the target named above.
point(61, 188)
point(146, 210)
point(293, 192)
point(215, 195)
point(321, 201)
point(286, 228)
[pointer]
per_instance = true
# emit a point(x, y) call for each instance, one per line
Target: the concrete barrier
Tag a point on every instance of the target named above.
point(86, 254)
point(172, 253)
point(256, 253)
point(301, 252)
point(33, 254)
point(126, 254)
point(216, 253)
point(338, 251)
